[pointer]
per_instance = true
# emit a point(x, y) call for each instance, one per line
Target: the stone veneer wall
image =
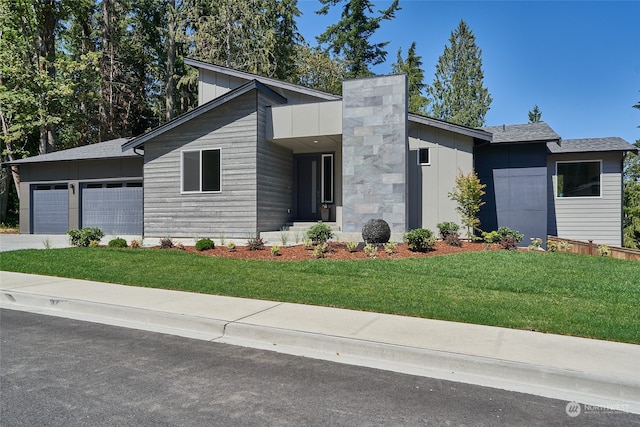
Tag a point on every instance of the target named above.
point(374, 150)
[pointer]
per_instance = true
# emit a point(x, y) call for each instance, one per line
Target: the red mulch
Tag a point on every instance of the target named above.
point(338, 251)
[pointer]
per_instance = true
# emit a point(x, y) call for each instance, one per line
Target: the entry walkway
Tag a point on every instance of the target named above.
point(593, 372)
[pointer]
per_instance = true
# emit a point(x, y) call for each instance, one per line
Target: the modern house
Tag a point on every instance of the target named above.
point(259, 153)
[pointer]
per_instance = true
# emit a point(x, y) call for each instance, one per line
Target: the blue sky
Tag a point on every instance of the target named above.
point(579, 61)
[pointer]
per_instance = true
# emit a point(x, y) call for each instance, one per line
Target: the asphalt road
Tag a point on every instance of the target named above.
point(61, 372)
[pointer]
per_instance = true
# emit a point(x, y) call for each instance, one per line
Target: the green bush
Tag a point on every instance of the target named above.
point(447, 228)
point(352, 246)
point(371, 250)
point(82, 238)
point(320, 250)
point(420, 240)
point(118, 242)
point(376, 231)
point(205, 244)
point(505, 237)
point(320, 233)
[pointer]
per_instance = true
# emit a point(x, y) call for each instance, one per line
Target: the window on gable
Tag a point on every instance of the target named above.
point(578, 179)
point(423, 156)
point(201, 171)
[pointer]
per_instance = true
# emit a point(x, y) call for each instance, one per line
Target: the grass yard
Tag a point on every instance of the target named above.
point(559, 293)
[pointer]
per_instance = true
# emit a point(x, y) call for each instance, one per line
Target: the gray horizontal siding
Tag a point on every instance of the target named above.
point(230, 213)
point(588, 218)
point(275, 177)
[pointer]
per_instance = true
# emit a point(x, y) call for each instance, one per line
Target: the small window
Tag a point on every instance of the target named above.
point(423, 156)
point(201, 171)
point(578, 179)
point(327, 178)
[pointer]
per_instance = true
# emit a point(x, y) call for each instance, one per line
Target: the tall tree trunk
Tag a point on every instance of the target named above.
point(106, 106)
point(14, 169)
point(171, 58)
point(48, 52)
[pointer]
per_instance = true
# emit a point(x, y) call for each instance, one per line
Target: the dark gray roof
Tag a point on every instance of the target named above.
point(441, 124)
point(100, 150)
point(529, 132)
point(589, 145)
point(247, 87)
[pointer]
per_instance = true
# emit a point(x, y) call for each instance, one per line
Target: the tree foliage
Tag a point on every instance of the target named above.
point(457, 93)
point(631, 197)
point(468, 193)
point(412, 67)
point(535, 115)
point(349, 38)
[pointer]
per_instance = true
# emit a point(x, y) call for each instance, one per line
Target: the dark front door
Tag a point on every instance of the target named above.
point(308, 179)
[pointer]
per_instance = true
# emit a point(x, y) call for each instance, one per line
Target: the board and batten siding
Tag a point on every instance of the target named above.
point(429, 185)
point(274, 176)
point(231, 212)
point(588, 218)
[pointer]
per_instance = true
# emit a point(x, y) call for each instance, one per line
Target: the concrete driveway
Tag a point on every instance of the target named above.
point(11, 242)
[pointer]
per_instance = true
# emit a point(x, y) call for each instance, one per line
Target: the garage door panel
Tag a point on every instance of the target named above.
point(50, 209)
point(114, 208)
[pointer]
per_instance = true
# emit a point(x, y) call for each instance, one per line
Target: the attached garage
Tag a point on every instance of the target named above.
point(96, 185)
point(114, 207)
point(50, 208)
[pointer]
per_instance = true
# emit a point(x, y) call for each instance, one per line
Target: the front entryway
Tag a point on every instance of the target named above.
point(314, 179)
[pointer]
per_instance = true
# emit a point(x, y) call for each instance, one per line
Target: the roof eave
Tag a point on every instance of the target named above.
point(452, 127)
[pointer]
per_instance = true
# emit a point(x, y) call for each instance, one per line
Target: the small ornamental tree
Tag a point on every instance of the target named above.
point(468, 193)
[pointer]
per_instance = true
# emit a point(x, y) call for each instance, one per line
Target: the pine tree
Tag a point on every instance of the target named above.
point(457, 93)
point(412, 67)
point(535, 115)
point(349, 37)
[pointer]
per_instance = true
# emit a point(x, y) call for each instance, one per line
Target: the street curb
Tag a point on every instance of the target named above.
point(564, 384)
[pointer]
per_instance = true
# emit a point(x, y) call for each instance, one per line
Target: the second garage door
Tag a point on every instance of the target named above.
point(115, 208)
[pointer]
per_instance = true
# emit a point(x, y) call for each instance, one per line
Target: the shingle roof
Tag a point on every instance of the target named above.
point(100, 150)
point(590, 144)
point(530, 132)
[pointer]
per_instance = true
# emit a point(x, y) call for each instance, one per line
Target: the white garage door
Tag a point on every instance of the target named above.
point(115, 208)
point(49, 209)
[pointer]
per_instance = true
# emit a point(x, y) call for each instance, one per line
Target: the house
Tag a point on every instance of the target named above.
point(258, 154)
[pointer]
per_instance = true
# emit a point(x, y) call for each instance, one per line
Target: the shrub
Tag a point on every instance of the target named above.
point(453, 239)
point(564, 246)
point(447, 228)
point(83, 237)
point(94, 243)
point(376, 231)
point(508, 243)
point(536, 244)
point(275, 250)
point(604, 250)
point(255, 244)
point(205, 244)
point(390, 247)
point(136, 244)
point(371, 250)
point(166, 243)
point(308, 244)
point(320, 233)
point(420, 240)
point(180, 247)
point(118, 242)
point(352, 246)
point(491, 237)
point(552, 246)
point(231, 246)
point(320, 250)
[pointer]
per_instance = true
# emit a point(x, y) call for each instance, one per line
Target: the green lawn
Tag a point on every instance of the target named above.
point(549, 292)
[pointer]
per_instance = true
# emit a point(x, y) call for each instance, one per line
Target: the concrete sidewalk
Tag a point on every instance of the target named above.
point(599, 373)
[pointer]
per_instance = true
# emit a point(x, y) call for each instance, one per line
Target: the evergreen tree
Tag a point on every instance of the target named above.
point(349, 37)
point(457, 93)
point(631, 197)
point(412, 67)
point(535, 115)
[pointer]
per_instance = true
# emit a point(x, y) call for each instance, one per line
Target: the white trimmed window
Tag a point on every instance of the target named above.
point(579, 179)
point(424, 156)
point(201, 171)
